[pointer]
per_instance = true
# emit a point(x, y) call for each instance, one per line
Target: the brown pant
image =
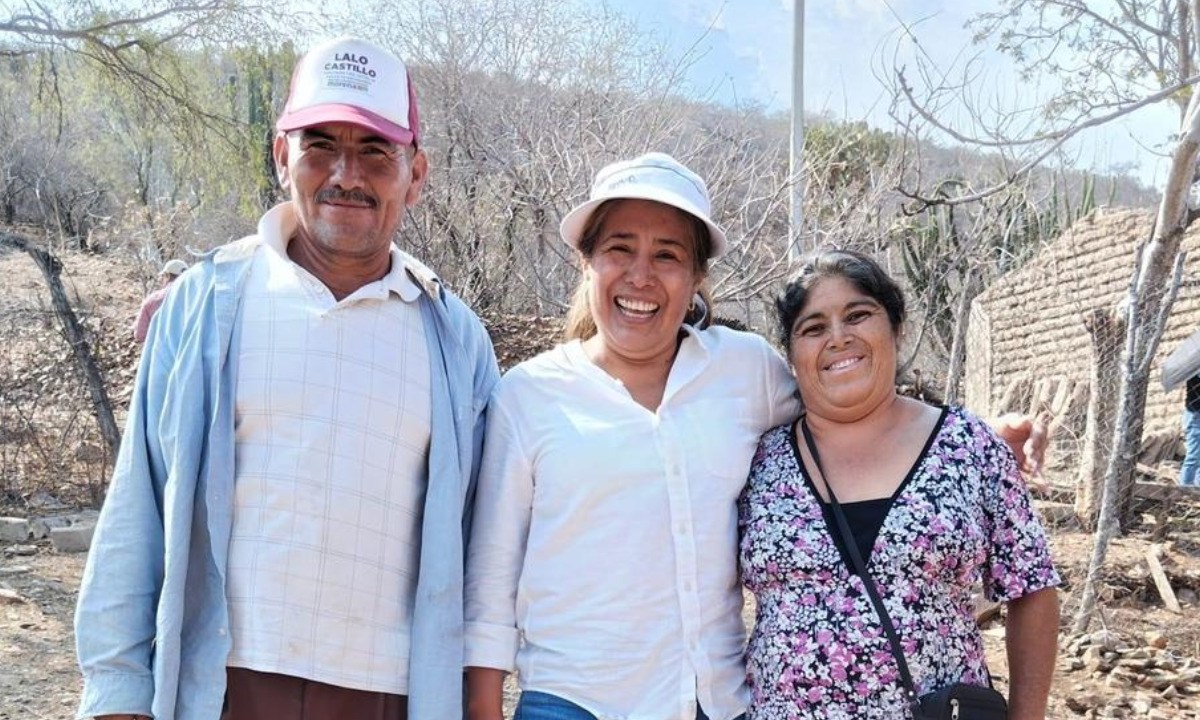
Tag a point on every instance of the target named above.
point(253, 695)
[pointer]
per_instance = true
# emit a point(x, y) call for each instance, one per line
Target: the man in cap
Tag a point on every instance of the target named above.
point(171, 270)
point(283, 536)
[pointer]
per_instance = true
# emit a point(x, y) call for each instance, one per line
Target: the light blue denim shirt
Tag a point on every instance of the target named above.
point(152, 622)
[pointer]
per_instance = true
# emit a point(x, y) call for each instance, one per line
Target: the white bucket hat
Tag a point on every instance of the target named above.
point(654, 176)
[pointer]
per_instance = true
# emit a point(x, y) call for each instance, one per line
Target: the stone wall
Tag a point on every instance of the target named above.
point(1027, 335)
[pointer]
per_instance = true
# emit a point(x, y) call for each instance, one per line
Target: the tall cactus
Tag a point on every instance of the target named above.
point(254, 90)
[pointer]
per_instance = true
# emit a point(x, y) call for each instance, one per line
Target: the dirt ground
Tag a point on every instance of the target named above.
point(1139, 660)
point(38, 674)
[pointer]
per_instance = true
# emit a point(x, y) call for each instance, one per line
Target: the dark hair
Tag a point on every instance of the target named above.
point(858, 269)
point(580, 324)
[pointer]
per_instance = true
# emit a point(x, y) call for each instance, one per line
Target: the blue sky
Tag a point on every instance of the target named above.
point(745, 48)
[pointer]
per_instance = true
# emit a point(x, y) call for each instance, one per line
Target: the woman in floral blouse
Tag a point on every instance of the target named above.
point(935, 502)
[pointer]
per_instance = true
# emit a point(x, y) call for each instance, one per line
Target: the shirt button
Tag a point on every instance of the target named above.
point(221, 632)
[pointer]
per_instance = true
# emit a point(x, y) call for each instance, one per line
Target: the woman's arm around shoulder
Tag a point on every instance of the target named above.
point(780, 400)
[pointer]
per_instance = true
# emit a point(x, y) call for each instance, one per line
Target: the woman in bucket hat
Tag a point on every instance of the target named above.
point(603, 562)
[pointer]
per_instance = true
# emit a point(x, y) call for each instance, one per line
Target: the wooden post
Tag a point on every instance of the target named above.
point(76, 337)
point(1161, 582)
point(1107, 333)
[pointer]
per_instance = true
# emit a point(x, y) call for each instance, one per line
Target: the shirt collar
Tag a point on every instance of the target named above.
point(694, 356)
point(406, 277)
point(702, 340)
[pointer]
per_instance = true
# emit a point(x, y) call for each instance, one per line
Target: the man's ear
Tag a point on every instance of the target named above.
point(279, 151)
point(419, 167)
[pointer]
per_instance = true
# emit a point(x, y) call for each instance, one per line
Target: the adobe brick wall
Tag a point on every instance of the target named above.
point(1027, 328)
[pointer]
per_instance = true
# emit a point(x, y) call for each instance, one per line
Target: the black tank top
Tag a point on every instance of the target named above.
point(865, 519)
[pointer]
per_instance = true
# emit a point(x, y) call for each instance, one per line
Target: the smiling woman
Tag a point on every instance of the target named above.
point(642, 268)
point(932, 504)
point(838, 298)
point(602, 563)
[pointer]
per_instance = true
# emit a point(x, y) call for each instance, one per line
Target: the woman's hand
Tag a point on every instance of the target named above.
point(485, 694)
point(1028, 437)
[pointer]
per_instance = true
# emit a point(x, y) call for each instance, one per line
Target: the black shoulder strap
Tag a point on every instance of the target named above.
point(860, 568)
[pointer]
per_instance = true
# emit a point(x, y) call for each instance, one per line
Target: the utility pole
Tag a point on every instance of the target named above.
point(796, 172)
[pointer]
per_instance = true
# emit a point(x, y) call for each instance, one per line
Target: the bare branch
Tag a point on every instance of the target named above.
point(1060, 135)
point(1058, 139)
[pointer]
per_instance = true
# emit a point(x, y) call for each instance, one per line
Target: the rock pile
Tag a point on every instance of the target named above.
point(1154, 681)
point(70, 532)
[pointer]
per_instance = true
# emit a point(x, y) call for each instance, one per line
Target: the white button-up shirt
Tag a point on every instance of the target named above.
point(603, 557)
point(331, 439)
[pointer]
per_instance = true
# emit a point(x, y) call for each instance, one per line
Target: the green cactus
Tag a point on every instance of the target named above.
point(938, 258)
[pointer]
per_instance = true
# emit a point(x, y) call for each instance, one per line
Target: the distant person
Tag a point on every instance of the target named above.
point(1191, 434)
point(283, 536)
point(170, 273)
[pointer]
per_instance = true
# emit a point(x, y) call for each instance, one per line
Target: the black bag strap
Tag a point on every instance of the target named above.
point(860, 568)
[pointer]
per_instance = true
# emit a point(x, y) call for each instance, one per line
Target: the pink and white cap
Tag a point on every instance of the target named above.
point(353, 81)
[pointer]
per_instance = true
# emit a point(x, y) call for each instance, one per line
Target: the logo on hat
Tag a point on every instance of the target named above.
point(618, 182)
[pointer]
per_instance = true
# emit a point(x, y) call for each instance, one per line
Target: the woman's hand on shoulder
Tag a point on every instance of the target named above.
point(1027, 436)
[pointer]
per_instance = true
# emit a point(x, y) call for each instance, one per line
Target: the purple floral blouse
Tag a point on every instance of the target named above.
point(963, 514)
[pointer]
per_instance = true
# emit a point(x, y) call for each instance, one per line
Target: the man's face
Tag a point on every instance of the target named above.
point(350, 187)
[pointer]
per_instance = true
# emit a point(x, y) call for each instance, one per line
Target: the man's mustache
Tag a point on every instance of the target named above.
point(356, 197)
